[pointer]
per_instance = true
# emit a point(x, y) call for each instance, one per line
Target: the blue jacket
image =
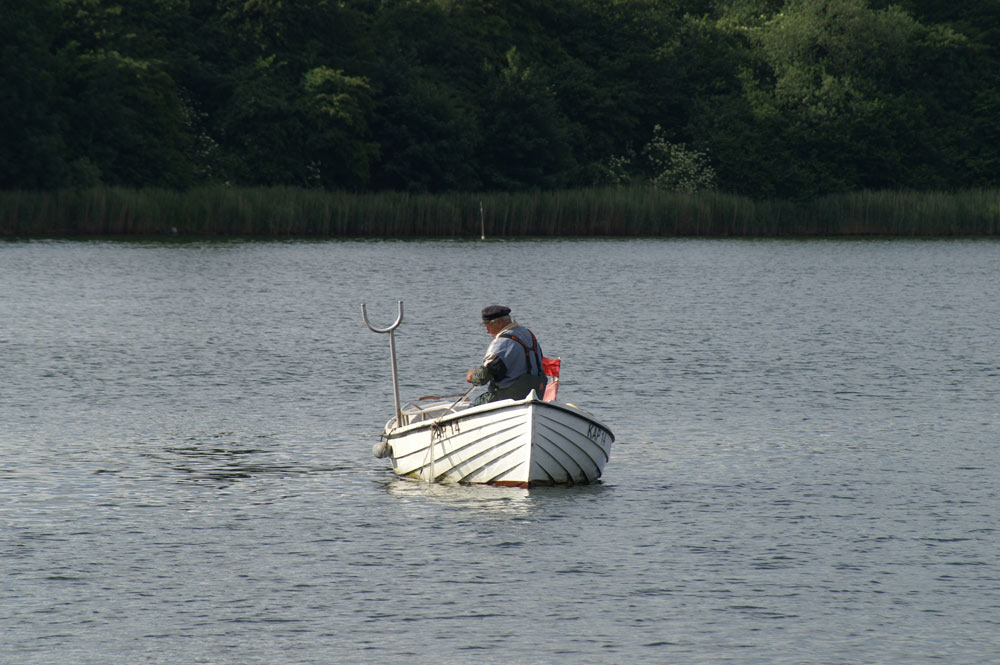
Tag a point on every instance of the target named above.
point(507, 359)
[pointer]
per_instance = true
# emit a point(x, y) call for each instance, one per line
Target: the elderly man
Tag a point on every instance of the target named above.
point(513, 363)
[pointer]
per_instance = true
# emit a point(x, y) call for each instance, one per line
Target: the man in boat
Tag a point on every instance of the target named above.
point(512, 365)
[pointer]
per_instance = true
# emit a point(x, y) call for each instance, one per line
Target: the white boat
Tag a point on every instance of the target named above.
point(515, 443)
point(518, 443)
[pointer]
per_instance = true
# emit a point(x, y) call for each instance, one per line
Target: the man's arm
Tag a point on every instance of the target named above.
point(494, 369)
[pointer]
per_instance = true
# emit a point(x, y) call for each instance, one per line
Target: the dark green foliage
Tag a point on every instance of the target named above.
point(128, 121)
point(787, 98)
point(426, 115)
point(33, 152)
point(525, 142)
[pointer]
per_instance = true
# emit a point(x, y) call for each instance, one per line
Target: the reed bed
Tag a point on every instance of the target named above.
point(640, 211)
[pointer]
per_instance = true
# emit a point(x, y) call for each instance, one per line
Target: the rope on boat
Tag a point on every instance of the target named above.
point(430, 452)
point(437, 432)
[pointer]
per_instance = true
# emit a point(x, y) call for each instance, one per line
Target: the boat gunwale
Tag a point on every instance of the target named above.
point(494, 406)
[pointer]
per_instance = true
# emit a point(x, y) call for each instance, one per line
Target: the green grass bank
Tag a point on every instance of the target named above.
point(293, 212)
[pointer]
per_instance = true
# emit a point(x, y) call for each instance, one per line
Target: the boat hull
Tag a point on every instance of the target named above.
point(517, 443)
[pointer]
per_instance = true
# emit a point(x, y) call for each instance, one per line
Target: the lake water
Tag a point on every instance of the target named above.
point(806, 465)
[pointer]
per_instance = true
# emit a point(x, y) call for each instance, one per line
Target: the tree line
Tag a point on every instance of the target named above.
point(762, 98)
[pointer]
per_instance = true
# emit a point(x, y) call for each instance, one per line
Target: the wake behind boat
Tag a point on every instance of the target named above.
point(518, 443)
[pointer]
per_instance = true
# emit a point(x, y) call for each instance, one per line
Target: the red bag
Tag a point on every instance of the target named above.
point(551, 368)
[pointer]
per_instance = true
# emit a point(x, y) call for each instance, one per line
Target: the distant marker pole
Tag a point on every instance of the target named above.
point(482, 222)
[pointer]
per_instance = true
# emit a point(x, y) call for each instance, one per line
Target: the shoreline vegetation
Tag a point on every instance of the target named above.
point(288, 212)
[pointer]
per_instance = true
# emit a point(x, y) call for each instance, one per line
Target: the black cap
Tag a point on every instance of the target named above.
point(494, 312)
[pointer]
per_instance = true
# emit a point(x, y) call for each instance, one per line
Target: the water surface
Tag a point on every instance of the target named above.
point(805, 469)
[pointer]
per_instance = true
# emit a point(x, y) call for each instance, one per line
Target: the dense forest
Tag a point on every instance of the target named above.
point(761, 98)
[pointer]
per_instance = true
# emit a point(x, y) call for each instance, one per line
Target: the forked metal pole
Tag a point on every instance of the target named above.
point(392, 354)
